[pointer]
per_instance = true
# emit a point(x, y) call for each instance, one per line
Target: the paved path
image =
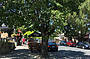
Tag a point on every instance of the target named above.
point(21, 52)
point(64, 52)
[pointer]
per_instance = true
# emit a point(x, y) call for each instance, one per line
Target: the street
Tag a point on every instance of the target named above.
point(65, 52)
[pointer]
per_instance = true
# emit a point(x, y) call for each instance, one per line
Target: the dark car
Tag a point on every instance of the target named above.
point(88, 44)
point(63, 43)
point(52, 46)
point(32, 45)
point(82, 45)
point(70, 43)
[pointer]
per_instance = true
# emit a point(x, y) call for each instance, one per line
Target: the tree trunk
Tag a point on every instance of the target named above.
point(44, 50)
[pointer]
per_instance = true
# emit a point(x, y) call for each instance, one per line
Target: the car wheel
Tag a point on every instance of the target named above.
point(56, 50)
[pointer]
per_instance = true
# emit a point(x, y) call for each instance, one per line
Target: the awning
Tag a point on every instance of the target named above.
point(3, 27)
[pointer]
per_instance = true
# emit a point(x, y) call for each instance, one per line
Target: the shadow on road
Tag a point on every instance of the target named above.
point(68, 54)
point(61, 54)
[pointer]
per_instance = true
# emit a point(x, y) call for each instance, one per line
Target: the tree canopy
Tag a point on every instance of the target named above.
point(46, 16)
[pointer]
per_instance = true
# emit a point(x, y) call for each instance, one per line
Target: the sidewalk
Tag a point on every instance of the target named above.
point(21, 52)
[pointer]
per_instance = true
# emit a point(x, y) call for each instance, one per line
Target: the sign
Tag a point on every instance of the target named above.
point(4, 35)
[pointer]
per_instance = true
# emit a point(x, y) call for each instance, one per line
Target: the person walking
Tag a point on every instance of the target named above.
point(23, 41)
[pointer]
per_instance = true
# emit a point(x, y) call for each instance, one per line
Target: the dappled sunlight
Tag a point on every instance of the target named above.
point(68, 54)
point(21, 53)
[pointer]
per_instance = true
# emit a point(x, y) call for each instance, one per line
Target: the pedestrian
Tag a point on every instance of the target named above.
point(23, 41)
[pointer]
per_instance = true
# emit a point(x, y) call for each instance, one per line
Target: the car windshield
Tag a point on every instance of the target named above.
point(51, 43)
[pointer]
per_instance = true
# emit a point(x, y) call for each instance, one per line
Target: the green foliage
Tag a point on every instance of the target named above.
point(38, 13)
point(85, 9)
point(75, 24)
point(11, 13)
point(85, 6)
point(46, 16)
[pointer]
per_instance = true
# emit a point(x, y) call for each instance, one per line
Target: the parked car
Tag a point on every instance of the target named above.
point(63, 43)
point(52, 46)
point(88, 44)
point(70, 43)
point(82, 45)
point(32, 45)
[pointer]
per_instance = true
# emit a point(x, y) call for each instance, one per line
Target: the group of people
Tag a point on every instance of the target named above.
point(20, 40)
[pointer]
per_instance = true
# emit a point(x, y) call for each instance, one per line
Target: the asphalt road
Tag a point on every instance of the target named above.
point(64, 52)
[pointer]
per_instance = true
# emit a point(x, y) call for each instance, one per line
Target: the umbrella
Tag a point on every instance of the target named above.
point(28, 32)
point(35, 34)
point(13, 35)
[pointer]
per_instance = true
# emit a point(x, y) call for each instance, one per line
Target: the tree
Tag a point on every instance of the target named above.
point(85, 11)
point(11, 13)
point(45, 16)
point(49, 15)
point(44, 19)
point(77, 22)
point(38, 13)
point(76, 26)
